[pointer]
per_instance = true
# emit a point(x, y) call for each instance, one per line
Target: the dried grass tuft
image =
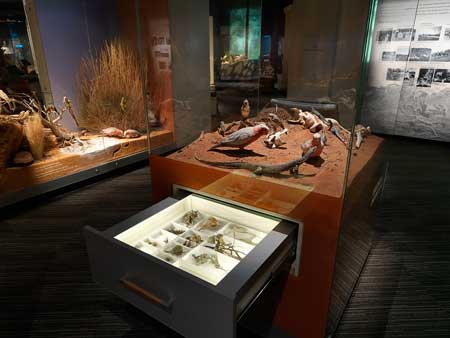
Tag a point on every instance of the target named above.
point(110, 89)
point(34, 133)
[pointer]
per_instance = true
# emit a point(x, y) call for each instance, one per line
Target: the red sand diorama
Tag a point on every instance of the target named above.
point(325, 175)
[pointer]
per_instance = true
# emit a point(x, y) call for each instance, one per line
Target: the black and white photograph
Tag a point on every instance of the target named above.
point(410, 77)
point(442, 76)
point(429, 33)
point(394, 74)
point(384, 35)
point(402, 54)
point(420, 54)
point(441, 55)
point(425, 77)
point(388, 56)
point(403, 34)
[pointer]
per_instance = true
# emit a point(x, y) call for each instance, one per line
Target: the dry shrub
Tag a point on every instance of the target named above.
point(34, 133)
point(110, 89)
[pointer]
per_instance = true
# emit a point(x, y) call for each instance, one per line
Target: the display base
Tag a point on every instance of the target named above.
point(67, 161)
point(315, 201)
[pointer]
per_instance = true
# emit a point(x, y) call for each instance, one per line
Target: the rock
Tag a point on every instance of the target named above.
point(112, 132)
point(131, 133)
point(23, 158)
point(11, 137)
point(34, 133)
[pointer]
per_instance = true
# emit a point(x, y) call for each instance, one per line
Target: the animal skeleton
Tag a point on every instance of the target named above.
point(361, 132)
point(50, 116)
point(274, 140)
point(308, 120)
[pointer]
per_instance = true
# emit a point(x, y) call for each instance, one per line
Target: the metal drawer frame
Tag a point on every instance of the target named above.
point(178, 299)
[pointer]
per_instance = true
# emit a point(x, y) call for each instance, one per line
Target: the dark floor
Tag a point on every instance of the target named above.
point(46, 289)
point(404, 290)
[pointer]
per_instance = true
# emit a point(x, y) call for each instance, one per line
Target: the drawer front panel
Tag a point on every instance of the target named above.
point(189, 307)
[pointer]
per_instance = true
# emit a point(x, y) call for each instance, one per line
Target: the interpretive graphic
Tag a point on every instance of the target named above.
point(420, 54)
point(388, 56)
point(425, 77)
point(442, 76)
point(394, 74)
point(447, 33)
point(384, 35)
point(402, 54)
point(441, 56)
point(429, 32)
point(410, 95)
point(410, 77)
point(403, 34)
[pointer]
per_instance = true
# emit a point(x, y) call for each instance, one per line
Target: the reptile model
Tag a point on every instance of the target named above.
point(263, 169)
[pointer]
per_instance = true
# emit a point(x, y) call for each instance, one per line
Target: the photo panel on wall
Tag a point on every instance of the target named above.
point(441, 76)
point(425, 77)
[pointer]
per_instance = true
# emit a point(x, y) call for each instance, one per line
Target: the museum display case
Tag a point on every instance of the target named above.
point(79, 90)
point(267, 115)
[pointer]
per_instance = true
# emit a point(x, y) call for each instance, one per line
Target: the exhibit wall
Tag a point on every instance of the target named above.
point(408, 88)
point(83, 28)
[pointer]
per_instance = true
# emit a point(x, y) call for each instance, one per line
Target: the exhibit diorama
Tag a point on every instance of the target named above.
point(263, 124)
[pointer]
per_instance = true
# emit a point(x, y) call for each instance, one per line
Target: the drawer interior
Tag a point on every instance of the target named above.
point(200, 236)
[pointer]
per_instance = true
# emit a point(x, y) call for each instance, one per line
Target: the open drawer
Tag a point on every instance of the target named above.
point(195, 264)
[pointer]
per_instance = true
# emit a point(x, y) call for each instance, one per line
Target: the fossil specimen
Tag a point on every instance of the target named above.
point(220, 245)
point(210, 224)
point(192, 241)
point(150, 242)
point(177, 250)
point(168, 259)
point(241, 233)
point(190, 217)
point(207, 258)
point(175, 231)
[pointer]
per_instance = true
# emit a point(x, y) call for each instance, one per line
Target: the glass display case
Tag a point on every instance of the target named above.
point(81, 84)
point(266, 99)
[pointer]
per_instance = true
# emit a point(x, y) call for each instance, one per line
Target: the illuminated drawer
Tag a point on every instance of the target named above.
point(195, 264)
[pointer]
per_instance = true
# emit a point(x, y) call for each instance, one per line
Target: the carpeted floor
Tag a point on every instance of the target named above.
point(404, 291)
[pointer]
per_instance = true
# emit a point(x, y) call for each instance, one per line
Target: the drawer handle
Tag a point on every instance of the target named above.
point(146, 294)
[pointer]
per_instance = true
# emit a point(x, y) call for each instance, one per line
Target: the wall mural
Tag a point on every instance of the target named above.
point(408, 90)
